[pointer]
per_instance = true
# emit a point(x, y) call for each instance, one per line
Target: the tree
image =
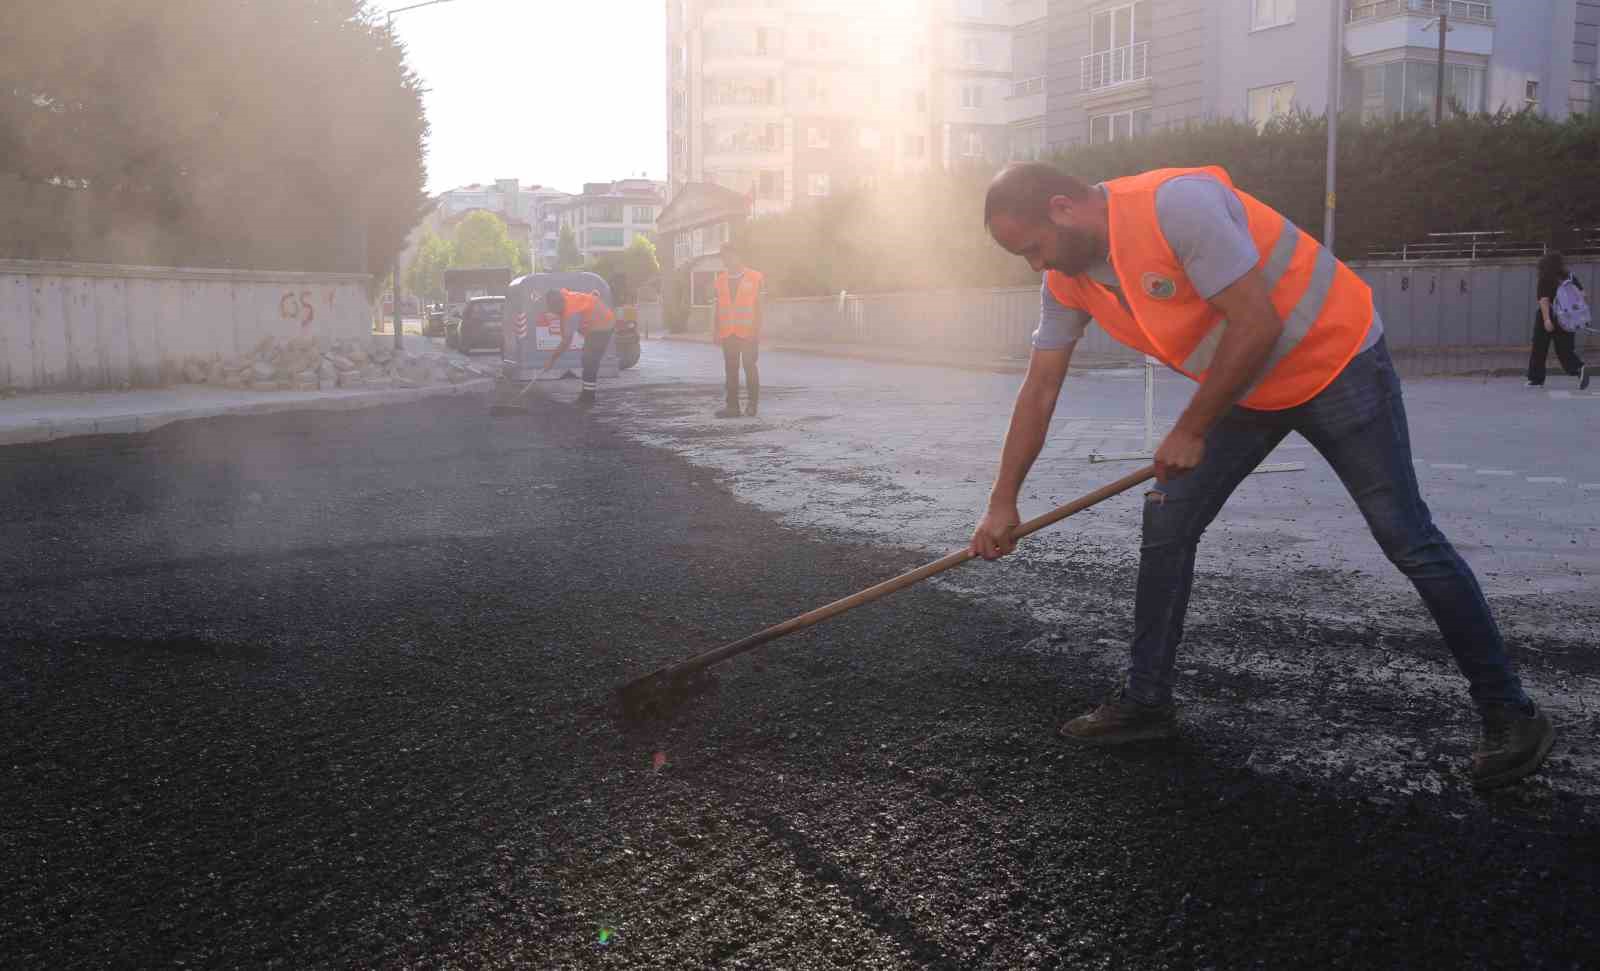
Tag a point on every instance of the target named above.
point(425, 276)
point(567, 255)
point(482, 240)
point(628, 271)
point(524, 257)
point(273, 134)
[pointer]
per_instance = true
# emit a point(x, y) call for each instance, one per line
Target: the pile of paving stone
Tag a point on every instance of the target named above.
point(310, 364)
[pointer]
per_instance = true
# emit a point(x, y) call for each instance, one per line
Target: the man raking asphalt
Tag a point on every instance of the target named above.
point(1281, 336)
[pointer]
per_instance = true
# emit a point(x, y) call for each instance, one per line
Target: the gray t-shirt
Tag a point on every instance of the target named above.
point(1205, 224)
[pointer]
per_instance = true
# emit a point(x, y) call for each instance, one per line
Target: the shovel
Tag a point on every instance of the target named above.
point(652, 691)
point(515, 406)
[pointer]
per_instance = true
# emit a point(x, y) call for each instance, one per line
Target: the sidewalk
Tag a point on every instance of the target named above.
point(50, 416)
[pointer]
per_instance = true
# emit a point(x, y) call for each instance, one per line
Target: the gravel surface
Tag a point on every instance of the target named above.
point(334, 690)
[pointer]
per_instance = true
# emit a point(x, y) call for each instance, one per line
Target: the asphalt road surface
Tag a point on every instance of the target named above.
point(333, 690)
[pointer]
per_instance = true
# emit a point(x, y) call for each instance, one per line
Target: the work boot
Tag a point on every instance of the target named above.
point(1122, 720)
point(1584, 374)
point(729, 411)
point(585, 399)
point(1513, 744)
point(750, 409)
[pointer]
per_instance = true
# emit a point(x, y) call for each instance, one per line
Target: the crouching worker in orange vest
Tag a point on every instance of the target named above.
point(739, 329)
point(1281, 336)
point(595, 321)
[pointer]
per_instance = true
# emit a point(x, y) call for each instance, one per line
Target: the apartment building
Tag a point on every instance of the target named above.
point(527, 210)
point(1122, 68)
point(786, 102)
point(606, 217)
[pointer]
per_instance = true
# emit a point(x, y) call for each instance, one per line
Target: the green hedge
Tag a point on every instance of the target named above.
point(1399, 180)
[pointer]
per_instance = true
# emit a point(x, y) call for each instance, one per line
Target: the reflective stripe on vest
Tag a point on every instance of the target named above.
point(591, 311)
point(736, 312)
point(1324, 307)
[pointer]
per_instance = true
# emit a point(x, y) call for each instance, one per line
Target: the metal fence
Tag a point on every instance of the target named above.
point(1468, 9)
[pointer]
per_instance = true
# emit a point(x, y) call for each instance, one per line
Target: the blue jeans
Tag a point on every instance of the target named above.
point(1358, 423)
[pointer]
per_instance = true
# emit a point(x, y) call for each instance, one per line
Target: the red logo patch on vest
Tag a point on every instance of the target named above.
point(1158, 287)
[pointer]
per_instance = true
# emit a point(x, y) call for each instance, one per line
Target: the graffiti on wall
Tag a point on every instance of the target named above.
point(301, 306)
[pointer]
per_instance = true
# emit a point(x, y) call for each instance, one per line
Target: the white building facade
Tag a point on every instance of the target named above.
point(608, 216)
point(1122, 68)
point(787, 102)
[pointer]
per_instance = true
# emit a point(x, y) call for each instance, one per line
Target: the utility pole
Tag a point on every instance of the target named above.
point(1335, 83)
point(399, 336)
point(1443, 26)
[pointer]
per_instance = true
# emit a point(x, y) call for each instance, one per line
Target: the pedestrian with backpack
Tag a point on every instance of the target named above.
point(1562, 313)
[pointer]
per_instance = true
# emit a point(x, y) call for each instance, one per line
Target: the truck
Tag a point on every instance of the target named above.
point(463, 283)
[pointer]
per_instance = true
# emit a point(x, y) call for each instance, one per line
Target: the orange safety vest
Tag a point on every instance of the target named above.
point(591, 311)
point(736, 313)
point(1325, 308)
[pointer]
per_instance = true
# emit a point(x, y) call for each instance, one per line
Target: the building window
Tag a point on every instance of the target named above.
point(644, 214)
point(761, 40)
point(922, 100)
point(817, 183)
point(610, 213)
point(916, 146)
point(604, 237)
point(1269, 102)
point(972, 145)
point(735, 137)
point(1530, 92)
point(972, 50)
point(1119, 50)
point(816, 137)
point(818, 42)
point(816, 90)
point(769, 184)
point(1271, 13)
point(972, 96)
point(869, 140)
point(1408, 87)
point(747, 91)
point(1027, 143)
point(1118, 125)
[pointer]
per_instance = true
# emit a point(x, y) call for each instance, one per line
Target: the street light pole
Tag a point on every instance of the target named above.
point(399, 337)
point(1335, 82)
point(1443, 26)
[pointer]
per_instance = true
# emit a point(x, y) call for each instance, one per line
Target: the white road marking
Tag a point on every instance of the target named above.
point(1548, 479)
point(1496, 472)
point(1448, 465)
point(1590, 487)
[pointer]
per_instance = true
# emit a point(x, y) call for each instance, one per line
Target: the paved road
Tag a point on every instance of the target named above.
point(874, 452)
point(330, 690)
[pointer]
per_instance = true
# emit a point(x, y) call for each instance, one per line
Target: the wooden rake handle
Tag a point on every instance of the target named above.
point(817, 616)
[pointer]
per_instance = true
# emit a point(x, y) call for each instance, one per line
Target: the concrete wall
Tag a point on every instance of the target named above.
point(1460, 303)
point(73, 326)
point(1441, 316)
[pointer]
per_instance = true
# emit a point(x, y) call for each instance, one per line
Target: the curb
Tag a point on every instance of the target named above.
point(50, 430)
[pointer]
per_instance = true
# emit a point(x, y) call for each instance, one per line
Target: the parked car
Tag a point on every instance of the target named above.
point(433, 323)
point(479, 326)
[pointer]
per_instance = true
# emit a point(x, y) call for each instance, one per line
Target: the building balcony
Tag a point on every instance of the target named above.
point(1391, 25)
point(1117, 66)
point(1461, 9)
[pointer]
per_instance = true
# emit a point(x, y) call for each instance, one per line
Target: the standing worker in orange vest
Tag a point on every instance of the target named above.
point(1282, 337)
point(739, 329)
point(595, 321)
